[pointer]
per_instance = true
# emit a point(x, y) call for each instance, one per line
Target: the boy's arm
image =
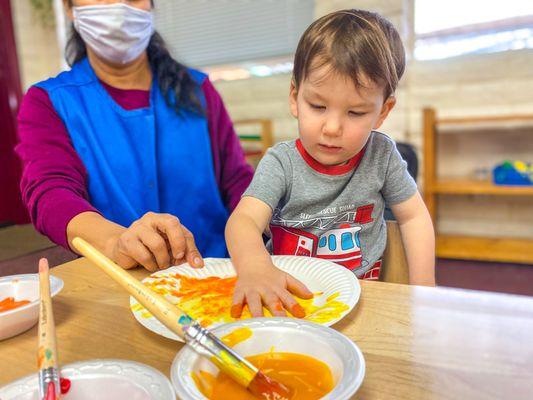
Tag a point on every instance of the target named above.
point(418, 239)
point(244, 232)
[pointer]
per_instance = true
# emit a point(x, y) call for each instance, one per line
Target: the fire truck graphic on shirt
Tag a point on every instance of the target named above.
point(339, 239)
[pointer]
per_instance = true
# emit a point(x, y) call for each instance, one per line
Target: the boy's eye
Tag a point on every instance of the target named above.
point(357, 113)
point(317, 107)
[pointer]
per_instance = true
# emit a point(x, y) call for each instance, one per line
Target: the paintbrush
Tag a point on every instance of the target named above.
point(49, 388)
point(199, 338)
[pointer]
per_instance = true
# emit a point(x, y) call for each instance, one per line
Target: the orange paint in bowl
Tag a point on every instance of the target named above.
point(9, 303)
point(307, 377)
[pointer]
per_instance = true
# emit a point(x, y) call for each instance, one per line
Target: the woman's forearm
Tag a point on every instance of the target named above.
point(96, 230)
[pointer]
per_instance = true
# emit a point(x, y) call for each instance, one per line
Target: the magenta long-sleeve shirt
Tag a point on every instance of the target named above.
point(54, 179)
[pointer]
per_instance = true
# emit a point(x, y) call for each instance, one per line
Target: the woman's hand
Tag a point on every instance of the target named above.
point(155, 241)
point(270, 286)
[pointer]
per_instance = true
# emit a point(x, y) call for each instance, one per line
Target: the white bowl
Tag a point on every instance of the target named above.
point(102, 380)
point(22, 287)
point(286, 335)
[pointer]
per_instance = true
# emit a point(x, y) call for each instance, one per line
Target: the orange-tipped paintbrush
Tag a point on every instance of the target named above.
point(199, 338)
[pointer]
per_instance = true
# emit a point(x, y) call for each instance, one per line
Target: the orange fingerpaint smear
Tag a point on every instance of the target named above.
point(210, 300)
point(9, 303)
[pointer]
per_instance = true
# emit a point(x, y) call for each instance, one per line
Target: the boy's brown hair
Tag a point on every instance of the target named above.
point(354, 43)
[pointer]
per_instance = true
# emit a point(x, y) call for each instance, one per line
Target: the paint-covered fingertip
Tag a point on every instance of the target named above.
point(236, 310)
point(298, 311)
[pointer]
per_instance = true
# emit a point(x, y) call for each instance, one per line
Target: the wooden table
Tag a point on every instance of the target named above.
point(418, 343)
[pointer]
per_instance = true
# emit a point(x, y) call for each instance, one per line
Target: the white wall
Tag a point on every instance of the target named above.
point(37, 49)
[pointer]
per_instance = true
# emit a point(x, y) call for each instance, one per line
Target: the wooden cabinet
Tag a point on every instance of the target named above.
point(505, 249)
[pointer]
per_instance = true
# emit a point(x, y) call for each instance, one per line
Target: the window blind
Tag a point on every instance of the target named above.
point(204, 33)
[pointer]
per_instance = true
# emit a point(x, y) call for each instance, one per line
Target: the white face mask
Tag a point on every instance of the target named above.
point(116, 32)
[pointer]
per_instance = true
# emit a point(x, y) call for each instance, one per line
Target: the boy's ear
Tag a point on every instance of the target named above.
point(293, 104)
point(385, 110)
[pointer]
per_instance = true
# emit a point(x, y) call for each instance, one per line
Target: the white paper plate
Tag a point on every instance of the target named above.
point(318, 275)
point(102, 380)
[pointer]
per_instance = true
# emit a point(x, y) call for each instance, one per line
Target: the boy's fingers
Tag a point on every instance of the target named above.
point(237, 304)
point(274, 305)
point(254, 304)
point(291, 304)
point(298, 288)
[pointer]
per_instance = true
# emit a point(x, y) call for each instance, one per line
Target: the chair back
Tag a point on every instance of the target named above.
point(394, 268)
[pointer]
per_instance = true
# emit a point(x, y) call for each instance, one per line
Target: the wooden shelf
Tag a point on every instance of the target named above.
point(485, 248)
point(250, 138)
point(484, 120)
point(471, 186)
point(471, 247)
point(258, 153)
point(262, 138)
point(496, 124)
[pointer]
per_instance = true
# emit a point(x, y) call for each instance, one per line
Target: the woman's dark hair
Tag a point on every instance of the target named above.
point(172, 77)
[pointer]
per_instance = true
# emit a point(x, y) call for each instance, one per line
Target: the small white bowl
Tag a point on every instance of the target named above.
point(22, 287)
point(286, 335)
point(102, 380)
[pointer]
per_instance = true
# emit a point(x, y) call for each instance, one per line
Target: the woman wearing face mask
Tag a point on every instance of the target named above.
point(129, 150)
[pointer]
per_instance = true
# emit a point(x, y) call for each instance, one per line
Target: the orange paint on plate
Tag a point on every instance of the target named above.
point(307, 377)
point(209, 300)
point(237, 336)
point(9, 303)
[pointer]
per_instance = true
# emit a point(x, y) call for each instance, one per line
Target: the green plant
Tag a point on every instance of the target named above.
point(44, 11)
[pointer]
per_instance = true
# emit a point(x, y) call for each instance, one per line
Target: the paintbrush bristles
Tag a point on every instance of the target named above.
point(269, 389)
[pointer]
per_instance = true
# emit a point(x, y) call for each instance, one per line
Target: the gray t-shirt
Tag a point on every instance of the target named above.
point(334, 213)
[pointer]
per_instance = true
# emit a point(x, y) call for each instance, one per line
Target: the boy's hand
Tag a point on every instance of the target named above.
point(272, 287)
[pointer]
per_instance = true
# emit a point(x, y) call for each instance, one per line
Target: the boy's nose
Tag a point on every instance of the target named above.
point(332, 127)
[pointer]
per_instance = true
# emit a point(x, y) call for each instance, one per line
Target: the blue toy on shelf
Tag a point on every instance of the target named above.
point(513, 173)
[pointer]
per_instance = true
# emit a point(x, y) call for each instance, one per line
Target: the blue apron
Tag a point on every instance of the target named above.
point(149, 159)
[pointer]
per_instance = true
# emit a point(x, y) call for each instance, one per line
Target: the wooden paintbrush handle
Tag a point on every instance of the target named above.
point(167, 313)
point(47, 353)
